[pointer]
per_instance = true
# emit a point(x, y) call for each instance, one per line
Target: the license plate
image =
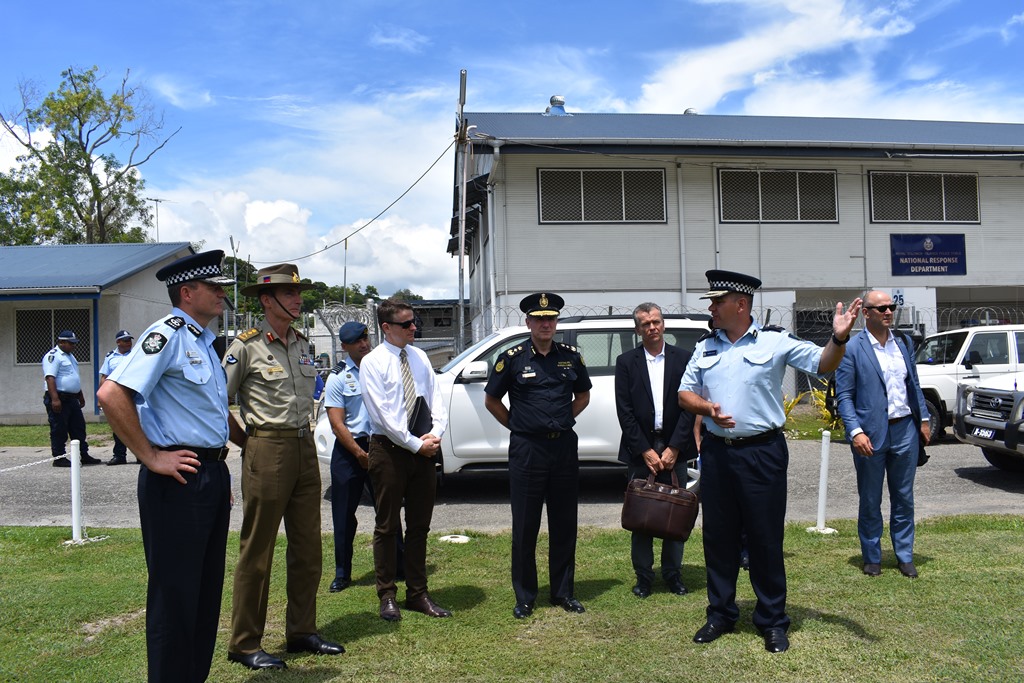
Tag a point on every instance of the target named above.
point(984, 433)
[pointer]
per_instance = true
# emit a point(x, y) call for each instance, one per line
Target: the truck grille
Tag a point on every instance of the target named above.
point(992, 407)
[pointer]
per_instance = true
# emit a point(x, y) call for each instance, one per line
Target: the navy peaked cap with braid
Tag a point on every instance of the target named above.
point(204, 266)
point(721, 282)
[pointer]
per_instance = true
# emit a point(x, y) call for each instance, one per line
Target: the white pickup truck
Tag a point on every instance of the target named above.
point(988, 415)
point(970, 355)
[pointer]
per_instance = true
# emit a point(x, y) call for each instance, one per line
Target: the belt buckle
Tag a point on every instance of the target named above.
point(553, 435)
point(303, 431)
point(728, 441)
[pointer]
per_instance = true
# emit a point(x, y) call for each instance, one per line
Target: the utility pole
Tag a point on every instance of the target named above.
point(463, 157)
point(156, 203)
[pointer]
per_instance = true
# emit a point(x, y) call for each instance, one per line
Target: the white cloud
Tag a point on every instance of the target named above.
point(398, 37)
point(180, 94)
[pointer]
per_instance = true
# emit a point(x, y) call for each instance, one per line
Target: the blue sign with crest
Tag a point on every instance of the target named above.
point(928, 254)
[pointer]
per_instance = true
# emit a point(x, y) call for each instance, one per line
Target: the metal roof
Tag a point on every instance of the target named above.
point(702, 130)
point(79, 267)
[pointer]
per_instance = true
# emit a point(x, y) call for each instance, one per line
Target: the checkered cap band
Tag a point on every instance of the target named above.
point(197, 273)
point(730, 286)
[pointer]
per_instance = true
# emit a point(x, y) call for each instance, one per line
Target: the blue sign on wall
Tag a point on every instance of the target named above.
point(928, 254)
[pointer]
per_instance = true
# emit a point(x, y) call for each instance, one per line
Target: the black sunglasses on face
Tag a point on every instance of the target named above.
point(882, 309)
point(404, 325)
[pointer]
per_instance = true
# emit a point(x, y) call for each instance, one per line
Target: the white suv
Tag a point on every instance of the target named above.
point(971, 355)
point(475, 440)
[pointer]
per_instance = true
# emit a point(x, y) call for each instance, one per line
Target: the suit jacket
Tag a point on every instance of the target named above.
point(860, 388)
point(634, 404)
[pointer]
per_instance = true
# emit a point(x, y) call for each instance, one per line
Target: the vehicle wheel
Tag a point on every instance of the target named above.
point(937, 425)
point(1004, 461)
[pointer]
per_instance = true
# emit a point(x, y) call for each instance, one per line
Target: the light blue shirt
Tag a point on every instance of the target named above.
point(745, 378)
point(343, 391)
point(181, 388)
point(64, 369)
point(112, 360)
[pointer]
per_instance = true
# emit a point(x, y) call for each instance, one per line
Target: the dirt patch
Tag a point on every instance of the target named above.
point(95, 628)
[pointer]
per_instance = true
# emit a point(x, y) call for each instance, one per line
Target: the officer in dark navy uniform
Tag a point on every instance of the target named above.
point(548, 386)
point(735, 379)
point(168, 402)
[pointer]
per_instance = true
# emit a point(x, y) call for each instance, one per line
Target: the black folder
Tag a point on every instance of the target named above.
point(420, 422)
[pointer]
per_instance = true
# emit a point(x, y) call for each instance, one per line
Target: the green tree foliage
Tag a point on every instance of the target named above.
point(406, 295)
point(74, 188)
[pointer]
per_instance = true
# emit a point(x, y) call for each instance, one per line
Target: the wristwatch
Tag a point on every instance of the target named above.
point(839, 342)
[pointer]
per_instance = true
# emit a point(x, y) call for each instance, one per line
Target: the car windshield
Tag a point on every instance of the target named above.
point(455, 361)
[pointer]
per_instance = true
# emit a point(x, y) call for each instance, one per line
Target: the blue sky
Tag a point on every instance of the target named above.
point(301, 120)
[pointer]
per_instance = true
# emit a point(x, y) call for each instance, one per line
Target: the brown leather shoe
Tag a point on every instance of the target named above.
point(389, 610)
point(425, 605)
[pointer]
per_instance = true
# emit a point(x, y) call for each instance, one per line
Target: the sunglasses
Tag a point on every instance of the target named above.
point(404, 325)
point(882, 309)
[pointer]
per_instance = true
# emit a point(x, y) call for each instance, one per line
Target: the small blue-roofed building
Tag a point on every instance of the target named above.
point(93, 290)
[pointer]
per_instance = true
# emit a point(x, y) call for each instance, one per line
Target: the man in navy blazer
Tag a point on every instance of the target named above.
point(882, 407)
point(657, 435)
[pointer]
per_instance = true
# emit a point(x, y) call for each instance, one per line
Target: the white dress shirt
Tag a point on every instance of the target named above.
point(656, 371)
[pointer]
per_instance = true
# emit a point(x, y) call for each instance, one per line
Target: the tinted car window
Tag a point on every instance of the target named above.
point(988, 348)
point(1020, 346)
point(940, 349)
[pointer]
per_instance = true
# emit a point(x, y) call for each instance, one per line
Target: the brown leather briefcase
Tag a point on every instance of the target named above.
point(665, 511)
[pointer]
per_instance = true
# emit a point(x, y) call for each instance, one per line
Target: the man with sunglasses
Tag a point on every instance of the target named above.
point(407, 420)
point(883, 409)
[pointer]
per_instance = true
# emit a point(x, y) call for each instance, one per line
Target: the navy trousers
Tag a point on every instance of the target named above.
point(743, 489)
point(69, 423)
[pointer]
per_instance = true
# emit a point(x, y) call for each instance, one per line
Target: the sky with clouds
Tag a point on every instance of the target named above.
point(301, 120)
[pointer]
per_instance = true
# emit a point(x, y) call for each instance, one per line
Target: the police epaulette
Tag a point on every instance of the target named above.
point(707, 335)
point(175, 322)
point(110, 352)
point(248, 334)
point(568, 347)
point(336, 370)
point(772, 328)
point(514, 350)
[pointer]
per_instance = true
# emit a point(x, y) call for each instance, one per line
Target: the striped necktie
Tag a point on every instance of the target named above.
point(407, 383)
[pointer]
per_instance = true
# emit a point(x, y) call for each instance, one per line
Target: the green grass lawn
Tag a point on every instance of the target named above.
point(76, 614)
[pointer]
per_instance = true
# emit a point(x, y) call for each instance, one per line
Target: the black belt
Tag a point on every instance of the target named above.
point(550, 436)
point(894, 420)
point(277, 433)
point(217, 454)
point(385, 441)
point(763, 437)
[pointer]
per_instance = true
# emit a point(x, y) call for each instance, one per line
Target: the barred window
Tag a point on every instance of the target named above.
point(602, 196)
point(777, 196)
point(36, 331)
point(924, 197)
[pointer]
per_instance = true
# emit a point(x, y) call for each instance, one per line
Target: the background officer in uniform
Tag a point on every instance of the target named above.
point(657, 435)
point(123, 341)
point(168, 400)
point(64, 400)
point(885, 415)
point(270, 369)
point(735, 378)
point(548, 387)
point(349, 459)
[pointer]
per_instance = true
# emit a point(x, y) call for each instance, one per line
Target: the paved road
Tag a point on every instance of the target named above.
point(956, 480)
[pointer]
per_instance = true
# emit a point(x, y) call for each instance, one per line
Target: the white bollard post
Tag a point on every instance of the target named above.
point(826, 438)
point(76, 490)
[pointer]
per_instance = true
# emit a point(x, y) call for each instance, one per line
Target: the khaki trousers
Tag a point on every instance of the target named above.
point(280, 480)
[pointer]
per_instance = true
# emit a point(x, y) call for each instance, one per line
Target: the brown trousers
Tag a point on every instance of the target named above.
point(398, 476)
point(280, 480)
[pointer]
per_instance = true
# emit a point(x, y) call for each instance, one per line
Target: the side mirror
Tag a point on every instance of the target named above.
point(973, 358)
point(475, 371)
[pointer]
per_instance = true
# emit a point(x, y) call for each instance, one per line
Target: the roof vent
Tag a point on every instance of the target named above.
point(690, 111)
point(557, 107)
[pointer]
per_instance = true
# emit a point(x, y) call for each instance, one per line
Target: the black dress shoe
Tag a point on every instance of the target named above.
point(872, 569)
point(89, 460)
point(117, 461)
point(339, 584)
point(775, 640)
point(569, 604)
point(642, 590)
point(908, 569)
point(315, 644)
point(522, 610)
point(257, 661)
point(677, 588)
point(61, 462)
point(424, 605)
point(389, 610)
point(712, 631)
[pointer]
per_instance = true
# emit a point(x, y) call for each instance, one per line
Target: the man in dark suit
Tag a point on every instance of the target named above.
point(883, 410)
point(657, 435)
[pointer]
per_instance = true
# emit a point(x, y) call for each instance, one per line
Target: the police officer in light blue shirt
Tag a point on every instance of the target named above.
point(123, 341)
point(63, 400)
point(168, 401)
point(734, 378)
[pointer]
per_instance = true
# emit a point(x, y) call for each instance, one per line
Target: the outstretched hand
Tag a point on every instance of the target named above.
point(843, 321)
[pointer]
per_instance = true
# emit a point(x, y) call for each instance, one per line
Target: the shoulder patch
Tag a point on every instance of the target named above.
point(154, 343)
point(248, 334)
point(175, 322)
point(230, 360)
point(500, 365)
point(49, 359)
